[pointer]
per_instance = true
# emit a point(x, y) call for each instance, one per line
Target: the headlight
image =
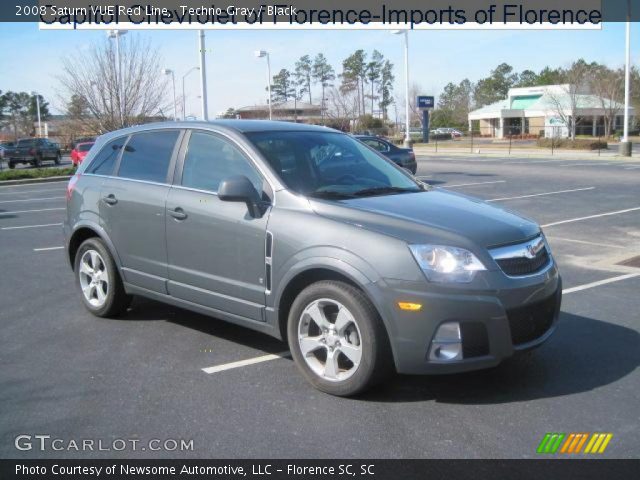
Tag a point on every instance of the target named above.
point(446, 264)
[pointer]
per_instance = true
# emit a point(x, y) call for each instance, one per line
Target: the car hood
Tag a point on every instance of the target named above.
point(432, 216)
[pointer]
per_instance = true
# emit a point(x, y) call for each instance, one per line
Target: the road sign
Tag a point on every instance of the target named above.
point(425, 101)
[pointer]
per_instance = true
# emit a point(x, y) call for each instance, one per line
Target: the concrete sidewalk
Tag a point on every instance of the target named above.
point(493, 151)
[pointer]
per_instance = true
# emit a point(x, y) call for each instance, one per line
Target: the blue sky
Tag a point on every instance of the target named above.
point(30, 58)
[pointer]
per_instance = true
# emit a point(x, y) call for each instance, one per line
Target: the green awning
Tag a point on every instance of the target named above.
point(524, 102)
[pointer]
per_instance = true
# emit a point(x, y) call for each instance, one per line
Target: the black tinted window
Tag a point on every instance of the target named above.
point(105, 160)
point(210, 159)
point(147, 156)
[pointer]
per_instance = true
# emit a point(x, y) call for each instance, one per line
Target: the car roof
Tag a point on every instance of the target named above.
point(84, 143)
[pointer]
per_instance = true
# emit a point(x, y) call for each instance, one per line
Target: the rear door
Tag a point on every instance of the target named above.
point(132, 206)
point(216, 249)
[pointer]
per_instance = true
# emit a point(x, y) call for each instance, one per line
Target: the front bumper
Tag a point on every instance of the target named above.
point(516, 314)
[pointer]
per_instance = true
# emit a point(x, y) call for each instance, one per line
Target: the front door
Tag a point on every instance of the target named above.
point(216, 249)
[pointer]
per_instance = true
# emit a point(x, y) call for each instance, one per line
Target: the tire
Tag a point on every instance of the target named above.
point(105, 295)
point(359, 328)
point(37, 162)
point(12, 165)
point(58, 159)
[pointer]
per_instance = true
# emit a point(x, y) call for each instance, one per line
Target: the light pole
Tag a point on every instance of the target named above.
point(407, 137)
point(203, 77)
point(35, 94)
point(184, 107)
point(117, 34)
point(625, 145)
point(168, 71)
point(261, 54)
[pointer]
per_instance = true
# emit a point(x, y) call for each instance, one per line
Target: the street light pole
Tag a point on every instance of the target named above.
point(203, 77)
point(407, 136)
point(119, 89)
point(260, 54)
point(625, 145)
point(167, 71)
point(38, 110)
point(184, 106)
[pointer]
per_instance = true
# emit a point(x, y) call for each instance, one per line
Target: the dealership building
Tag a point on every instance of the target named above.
point(539, 111)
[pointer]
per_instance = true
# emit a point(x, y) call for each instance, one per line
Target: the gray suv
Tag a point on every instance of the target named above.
point(308, 235)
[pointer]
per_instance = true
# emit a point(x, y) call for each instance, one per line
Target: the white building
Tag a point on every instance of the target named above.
point(543, 111)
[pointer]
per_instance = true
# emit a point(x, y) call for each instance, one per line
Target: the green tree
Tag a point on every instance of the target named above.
point(323, 74)
point(303, 75)
point(527, 78)
point(455, 103)
point(282, 87)
point(78, 107)
point(496, 86)
point(17, 113)
point(385, 87)
point(354, 72)
point(373, 73)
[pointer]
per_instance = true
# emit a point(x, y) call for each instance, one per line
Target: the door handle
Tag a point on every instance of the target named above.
point(178, 214)
point(110, 199)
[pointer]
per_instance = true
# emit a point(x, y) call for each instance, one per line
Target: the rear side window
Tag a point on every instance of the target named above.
point(105, 160)
point(147, 156)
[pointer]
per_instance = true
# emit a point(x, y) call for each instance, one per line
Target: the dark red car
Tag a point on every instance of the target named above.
point(80, 151)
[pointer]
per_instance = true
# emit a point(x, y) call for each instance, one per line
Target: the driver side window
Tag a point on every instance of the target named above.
point(211, 159)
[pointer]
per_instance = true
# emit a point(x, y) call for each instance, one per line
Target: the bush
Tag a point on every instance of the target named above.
point(35, 173)
point(578, 144)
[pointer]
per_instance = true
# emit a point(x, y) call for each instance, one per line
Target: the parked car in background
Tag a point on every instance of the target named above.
point(403, 157)
point(449, 131)
point(5, 149)
point(79, 152)
point(306, 234)
point(35, 151)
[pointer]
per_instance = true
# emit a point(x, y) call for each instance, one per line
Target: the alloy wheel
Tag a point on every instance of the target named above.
point(94, 278)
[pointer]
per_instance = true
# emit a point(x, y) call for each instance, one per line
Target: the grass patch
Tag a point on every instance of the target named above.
point(35, 173)
point(577, 144)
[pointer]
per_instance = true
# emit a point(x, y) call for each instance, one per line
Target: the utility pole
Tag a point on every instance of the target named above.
point(203, 77)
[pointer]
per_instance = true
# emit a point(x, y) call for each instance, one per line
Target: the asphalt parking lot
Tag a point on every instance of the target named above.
point(163, 373)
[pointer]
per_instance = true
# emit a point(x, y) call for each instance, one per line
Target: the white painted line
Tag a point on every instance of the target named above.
point(31, 211)
point(244, 363)
point(470, 184)
point(571, 220)
point(520, 162)
point(32, 226)
point(541, 194)
point(33, 185)
point(599, 282)
point(46, 249)
point(632, 167)
point(591, 164)
point(608, 245)
point(32, 191)
point(32, 199)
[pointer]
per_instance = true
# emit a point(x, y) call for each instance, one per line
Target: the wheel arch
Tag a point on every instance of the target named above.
point(85, 231)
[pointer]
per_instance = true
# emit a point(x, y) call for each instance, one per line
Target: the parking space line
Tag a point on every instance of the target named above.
point(31, 211)
point(46, 249)
point(632, 167)
point(585, 164)
point(541, 194)
point(579, 219)
point(31, 199)
point(599, 282)
point(474, 183)
point(32, 226)
point(244, 363)
point(32, 191)
point(595, 244)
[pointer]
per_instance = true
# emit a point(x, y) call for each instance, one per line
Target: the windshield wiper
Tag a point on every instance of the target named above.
point(384, 191)
point(330, 194)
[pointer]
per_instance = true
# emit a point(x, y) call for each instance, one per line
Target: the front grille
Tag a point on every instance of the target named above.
point(531, 321)
point(475, 340)
point(524, 266)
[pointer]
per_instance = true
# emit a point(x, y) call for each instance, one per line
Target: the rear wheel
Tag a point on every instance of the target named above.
point(58, 159)
point(12, 165)
point(37, 162)
point(337, 339)
point(99, 281)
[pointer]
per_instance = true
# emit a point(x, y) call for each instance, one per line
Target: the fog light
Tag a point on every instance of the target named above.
point(447, 343)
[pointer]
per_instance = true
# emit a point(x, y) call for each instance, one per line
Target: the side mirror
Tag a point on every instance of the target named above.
point(240, 189)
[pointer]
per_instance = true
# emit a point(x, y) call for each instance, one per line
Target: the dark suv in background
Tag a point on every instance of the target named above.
point(306, 234)
point(34, 151)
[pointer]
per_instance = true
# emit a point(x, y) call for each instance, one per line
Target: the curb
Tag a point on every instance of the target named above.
point(28, 181)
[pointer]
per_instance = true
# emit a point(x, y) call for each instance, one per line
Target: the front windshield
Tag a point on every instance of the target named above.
point(330, 165)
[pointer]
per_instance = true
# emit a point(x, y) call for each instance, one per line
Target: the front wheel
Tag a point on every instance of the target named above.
point(99, 281)
point(337, 339)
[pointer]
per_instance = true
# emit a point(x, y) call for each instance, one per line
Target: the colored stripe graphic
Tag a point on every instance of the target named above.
point(573, 443)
